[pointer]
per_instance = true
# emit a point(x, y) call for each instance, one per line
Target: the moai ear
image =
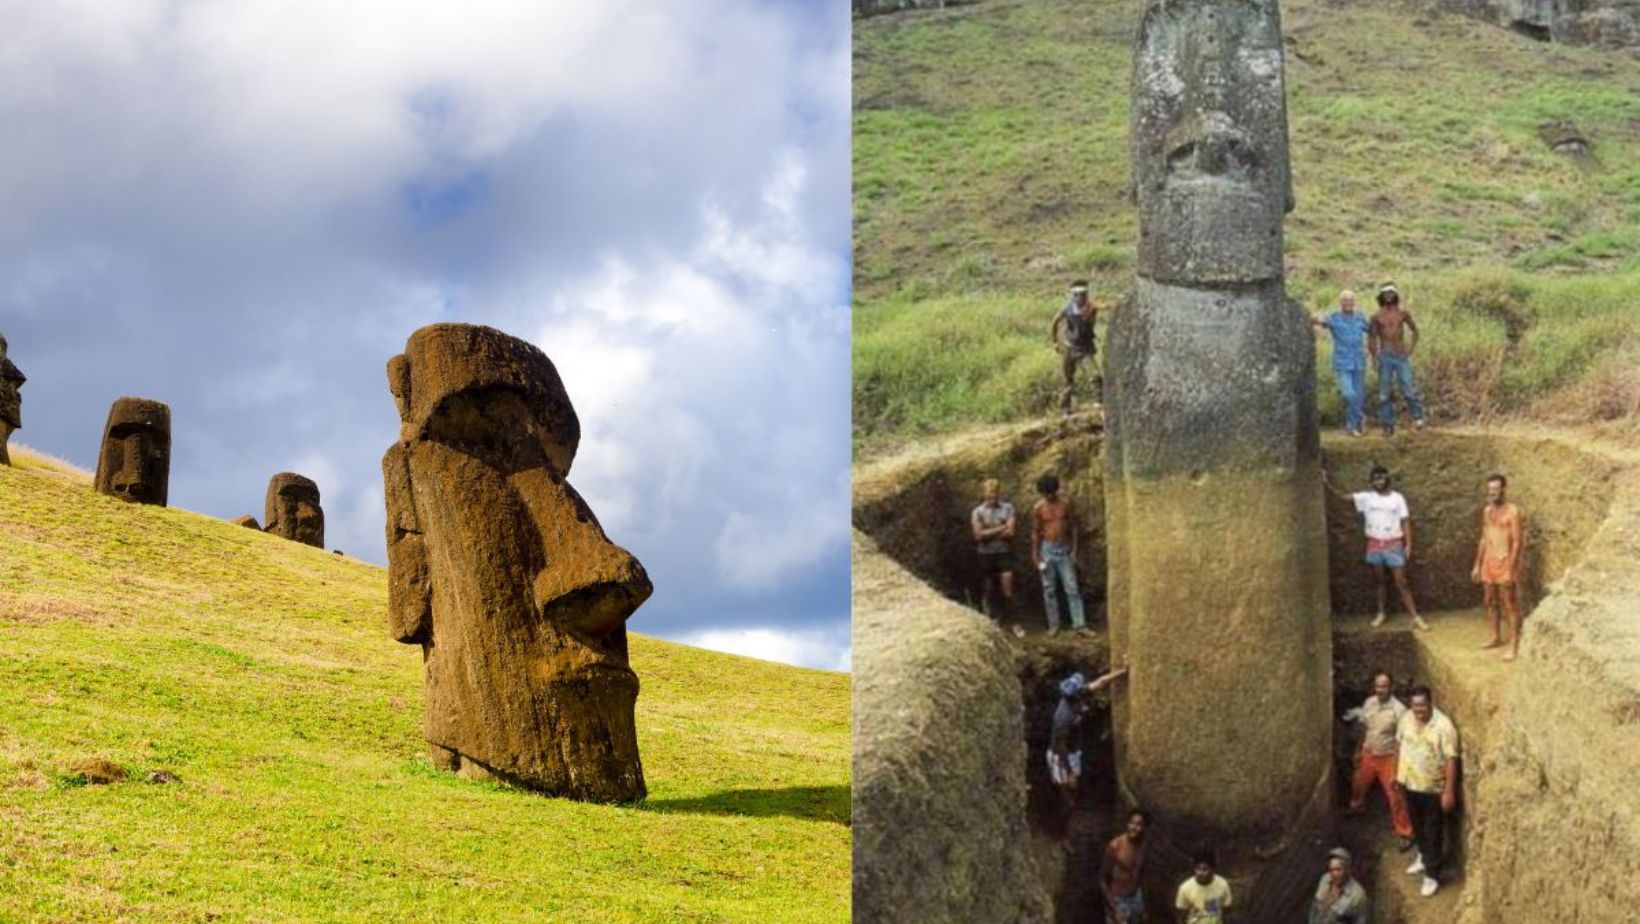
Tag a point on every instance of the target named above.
point(409, 587)
point(398, 382)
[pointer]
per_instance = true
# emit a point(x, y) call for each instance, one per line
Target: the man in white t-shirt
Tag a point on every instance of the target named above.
point(1203, 898)
point(1389, 540)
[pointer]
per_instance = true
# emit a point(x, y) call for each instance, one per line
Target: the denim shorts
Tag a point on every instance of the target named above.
point(1392, 557)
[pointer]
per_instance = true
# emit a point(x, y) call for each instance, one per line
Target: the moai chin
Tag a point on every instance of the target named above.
point(292, 509)
point(1217, 548)
point(134, 462)
point(11, 400)
point(499, 570)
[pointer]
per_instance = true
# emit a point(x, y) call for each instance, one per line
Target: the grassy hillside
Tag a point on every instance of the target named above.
point(260, 674)
point(991, 166)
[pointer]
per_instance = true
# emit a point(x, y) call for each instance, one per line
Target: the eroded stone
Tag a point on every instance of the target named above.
point(134, 463)
point(292, 509)
point(500, 571)
point(11, 400)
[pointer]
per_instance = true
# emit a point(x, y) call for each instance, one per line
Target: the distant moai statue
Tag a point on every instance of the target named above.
point(292, 509)
point(499, 570)
point(247, 521)
point(134, 463)
point(11, 400)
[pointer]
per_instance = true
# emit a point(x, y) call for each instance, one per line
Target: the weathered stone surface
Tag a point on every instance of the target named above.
point(292, 509)
point(134, 463)
point(940, 830)
point(11, 400)
point(247, 521)
point(1214, 513)
point(1605, 23)
point(499, 570)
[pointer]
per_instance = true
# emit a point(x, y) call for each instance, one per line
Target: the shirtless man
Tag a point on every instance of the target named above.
point(1053, 549)
point(1392, 350)
point(1121, 870)
point(1497, 563)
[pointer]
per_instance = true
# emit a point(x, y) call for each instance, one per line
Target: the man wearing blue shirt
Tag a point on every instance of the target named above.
point(1349, 361)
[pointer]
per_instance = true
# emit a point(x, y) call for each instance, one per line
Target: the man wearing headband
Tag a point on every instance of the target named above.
point(1065, 740)
point(1392, 349)
point(1349, 331)
point(1072, 335)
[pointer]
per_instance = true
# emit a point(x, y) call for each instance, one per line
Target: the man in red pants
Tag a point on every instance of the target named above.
point(1379, 716)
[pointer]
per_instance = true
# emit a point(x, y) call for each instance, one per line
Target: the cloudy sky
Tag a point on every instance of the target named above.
point(244, 207)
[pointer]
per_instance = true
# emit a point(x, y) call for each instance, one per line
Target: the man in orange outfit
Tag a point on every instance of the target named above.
point(1497, 563)
point(1380, 715)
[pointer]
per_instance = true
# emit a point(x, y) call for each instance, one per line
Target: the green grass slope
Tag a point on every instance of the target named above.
point(260, 673)
point(991, 166)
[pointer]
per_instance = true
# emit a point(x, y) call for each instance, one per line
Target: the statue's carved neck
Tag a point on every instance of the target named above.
point(1209, 142)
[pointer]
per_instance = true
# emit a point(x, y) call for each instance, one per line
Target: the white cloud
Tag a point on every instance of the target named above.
point(828, 649)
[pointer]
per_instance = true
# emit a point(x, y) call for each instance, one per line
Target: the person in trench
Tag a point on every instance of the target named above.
point(1064, 755)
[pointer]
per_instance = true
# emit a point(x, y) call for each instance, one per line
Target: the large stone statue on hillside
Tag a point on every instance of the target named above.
point(11, 400)
point(498, 569)
point(1217, 549)
point(134, 463)
point(292, 509)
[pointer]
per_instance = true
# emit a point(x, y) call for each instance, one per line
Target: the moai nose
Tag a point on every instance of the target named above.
point(589, 583)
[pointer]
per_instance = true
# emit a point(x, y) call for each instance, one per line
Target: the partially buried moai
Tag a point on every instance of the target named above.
point(11, 400)
point(499, 570)
point(134, 462)
point(292, 509)
point(1217, 549)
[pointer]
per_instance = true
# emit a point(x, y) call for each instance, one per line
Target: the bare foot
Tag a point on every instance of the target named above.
point(1495, 643)
point(1509, 657)
point(1418, 623)
point(1378, 620)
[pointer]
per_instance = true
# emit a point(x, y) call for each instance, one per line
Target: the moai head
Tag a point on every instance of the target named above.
point(135, 461)
point(1209, 142)
point(11, 400)
point(292, 510)
point(493, 556)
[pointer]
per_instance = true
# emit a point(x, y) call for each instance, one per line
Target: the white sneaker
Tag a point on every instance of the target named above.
point(1417, 867)
point(1429, 887)
point(1378, 620)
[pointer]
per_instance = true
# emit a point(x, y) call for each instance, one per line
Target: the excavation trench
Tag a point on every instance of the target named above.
point(916, 511)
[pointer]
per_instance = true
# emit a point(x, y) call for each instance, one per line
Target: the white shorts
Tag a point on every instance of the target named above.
point(1065, 769)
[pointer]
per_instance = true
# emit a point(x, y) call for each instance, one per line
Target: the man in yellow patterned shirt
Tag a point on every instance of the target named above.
point(1427, 772)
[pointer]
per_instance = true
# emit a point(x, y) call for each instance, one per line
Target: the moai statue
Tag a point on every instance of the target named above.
point(498, 569)
point(1217, 543)
point(11, 400)
point(135, 461)
point(292, 509)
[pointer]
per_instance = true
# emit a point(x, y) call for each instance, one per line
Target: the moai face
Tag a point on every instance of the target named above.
point(11, 400)
point(493, 557)
point(292, 509)
point(135, 461)
point(1209, 136)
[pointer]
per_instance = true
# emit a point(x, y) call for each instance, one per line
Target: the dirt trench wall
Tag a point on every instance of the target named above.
point(939, 760)
point(1559, 826)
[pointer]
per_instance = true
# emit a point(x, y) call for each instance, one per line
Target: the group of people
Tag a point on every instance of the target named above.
point(1388, 339)
point(1411, 750)
point(1053, 551)
point(1496, 568)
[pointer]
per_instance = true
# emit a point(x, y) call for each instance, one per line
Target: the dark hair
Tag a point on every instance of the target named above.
point(1499, 478)
point(1420, 690)
point(1389, 297)
point(1048, 484)
point(1378, 470)
point(1204, 856)
point(1380, 672)
point(1139, 813)
point(1079, 282)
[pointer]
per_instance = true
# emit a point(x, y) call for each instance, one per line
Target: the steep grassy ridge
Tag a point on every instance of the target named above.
point(991, 166)
point(259, 672)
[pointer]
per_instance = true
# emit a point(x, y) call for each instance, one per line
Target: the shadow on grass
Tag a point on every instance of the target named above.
point(821, 803)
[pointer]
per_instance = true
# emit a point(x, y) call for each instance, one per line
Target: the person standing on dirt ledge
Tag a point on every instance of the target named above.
point(1205, 896)
point(1072, 335)
point(1380, 716)
point(1497, 563)
point(1349, 360)
point(1389, 541)
point(992, 524)
point(1428, 773)
point(1053, 549)
point(1121, 871)
point(1392, 352)
point(1339, 898)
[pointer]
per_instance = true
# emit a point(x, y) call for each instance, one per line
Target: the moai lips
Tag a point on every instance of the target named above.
point(292, 509)
point(134, 463)
point(500, 571)
point(11, 400)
